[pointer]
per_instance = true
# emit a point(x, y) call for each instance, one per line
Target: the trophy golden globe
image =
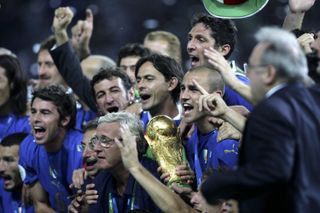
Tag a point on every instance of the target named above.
point(163, 138)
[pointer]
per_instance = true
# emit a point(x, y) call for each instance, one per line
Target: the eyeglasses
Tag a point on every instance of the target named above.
point(104, 141)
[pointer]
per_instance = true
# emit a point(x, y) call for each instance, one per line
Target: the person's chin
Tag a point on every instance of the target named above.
point(41, 141)
point(198, 208)
point(8, 185)
point(146, 106)
point(104, 165)
point(188, 119)
point(92, 172)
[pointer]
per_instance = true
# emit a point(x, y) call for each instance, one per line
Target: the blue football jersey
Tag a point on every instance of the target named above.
point(53, 170)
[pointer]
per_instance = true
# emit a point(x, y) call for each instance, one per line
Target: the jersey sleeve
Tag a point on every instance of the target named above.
point(27, 151)
point(227, 153)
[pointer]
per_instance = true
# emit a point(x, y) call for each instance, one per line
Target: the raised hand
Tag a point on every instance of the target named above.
point(300, 5)
point(213, 103)
point(81, 35)
point(62, 18)
point(128, 147)
point(219, 63)
point(305, 41)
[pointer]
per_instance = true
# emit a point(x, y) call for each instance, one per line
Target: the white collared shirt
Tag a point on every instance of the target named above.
point(275, 89)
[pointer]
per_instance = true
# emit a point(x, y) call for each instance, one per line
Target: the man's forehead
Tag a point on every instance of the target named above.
point(9, 150)
point(198, 72)
point(200, 28)
point(112, 81)
point(258, 51)
point(45, 53)
point(188, 76)
point(199, 76)
point(149, 69)
point(130, 59)
point(46, 103)
point(109, 125)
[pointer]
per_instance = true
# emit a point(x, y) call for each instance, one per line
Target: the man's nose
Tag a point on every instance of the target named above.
point(190, 46)
point(2, 167)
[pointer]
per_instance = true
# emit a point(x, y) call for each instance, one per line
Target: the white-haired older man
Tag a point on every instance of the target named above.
point(278, 163)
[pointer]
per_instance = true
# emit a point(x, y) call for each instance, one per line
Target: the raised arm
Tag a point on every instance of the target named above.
point(62, 18)
point(81, 35)
point(297, 9)
point(66, 60)
point(215, 105)
point(165, 199)
point(221, 65)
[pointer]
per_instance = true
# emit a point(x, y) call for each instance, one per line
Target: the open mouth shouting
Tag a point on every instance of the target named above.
point(113, 109)
point(39, 132)
point(187, 108)
point(7, 180)
point(144, 98)
point(194, 60)
point(90, 163)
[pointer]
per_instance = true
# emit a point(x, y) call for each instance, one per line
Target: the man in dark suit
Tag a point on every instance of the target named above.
point(279, 158)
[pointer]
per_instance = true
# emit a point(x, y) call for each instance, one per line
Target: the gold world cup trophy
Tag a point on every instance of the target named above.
point(163, 138)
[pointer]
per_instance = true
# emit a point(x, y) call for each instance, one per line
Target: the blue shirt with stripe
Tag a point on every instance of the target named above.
point(53, 170)
point(211, 154)
point(11, 202)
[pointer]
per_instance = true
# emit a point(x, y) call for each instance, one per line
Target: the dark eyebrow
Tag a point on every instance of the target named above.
point(192, 87)
point(146, 76)
point(114, 87)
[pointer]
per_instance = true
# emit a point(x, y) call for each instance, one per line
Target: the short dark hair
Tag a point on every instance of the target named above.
point(110, 73)
point(224, 31)
point(13, 139)
point(17, 83)
point(48, 43)
point(65, 102)
point(167, 66)
point(132, 49)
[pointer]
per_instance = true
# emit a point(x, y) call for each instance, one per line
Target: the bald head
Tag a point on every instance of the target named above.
point(214, 79)
point(92, 64)
point(5, 51)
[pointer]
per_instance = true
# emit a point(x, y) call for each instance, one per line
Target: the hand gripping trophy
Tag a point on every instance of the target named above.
point(163, 138)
